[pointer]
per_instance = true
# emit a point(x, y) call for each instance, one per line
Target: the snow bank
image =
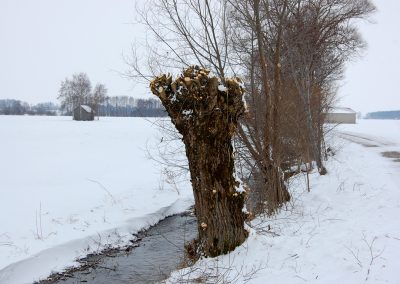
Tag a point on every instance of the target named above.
point(69, 188)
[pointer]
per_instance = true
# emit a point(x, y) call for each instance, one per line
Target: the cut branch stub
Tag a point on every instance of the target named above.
point(206, 112)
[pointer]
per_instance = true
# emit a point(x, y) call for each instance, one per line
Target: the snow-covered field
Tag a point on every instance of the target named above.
point(68, 188)
point(346, 230)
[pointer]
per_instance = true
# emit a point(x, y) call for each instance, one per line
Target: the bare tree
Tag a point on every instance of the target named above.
point(293, 52)
point(65, 95)
point(78, 91)
point(75, 92)
point(260, 49)
point(99, 96)
point(320, 38)
point(185, 32)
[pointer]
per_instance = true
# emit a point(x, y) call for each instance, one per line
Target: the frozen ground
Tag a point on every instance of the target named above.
point(68, 188)
point(346, 230)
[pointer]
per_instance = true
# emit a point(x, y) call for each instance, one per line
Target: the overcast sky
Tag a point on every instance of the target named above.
point(372, 81)
point(45, 41)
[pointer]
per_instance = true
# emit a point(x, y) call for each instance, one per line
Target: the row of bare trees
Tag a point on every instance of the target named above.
point(17, 107)
point(288, 53)
point(125, 106)
point(295, 52)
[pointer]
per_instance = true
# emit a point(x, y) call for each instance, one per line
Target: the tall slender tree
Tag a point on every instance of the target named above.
point(99, 96)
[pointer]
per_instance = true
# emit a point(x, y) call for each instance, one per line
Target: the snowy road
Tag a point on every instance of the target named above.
point(365, 140)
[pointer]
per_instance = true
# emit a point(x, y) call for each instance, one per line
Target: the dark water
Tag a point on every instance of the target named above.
point(158, 254)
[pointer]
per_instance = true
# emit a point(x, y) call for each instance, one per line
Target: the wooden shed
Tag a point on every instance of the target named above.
point(341, 115)
point(83, 113)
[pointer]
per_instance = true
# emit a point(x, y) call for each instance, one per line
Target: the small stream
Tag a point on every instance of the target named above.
point(158, 253)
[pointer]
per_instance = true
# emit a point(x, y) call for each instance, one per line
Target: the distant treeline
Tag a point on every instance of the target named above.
point(123, 106)
point(395, 114)
point(16, 107)
point(127, 106)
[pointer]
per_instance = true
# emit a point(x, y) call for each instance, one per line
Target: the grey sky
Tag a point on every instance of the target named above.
point(372, 81)
point(45, 41)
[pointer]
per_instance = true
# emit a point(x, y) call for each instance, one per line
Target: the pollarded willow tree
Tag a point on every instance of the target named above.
point(206, 111)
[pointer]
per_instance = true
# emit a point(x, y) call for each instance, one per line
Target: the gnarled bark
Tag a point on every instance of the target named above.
point(206, 113)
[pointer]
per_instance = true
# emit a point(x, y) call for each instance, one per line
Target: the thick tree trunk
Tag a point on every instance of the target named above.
point(218, 204)
point(206, 113)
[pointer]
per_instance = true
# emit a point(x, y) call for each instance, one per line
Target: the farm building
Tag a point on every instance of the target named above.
point(83, 113)
point(341, 115)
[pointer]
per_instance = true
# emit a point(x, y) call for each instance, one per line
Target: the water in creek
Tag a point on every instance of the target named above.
point(158, 254)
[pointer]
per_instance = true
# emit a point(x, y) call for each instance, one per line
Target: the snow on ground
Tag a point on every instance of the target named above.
point(68, 188)
point(346, 230)
point(378, 132)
